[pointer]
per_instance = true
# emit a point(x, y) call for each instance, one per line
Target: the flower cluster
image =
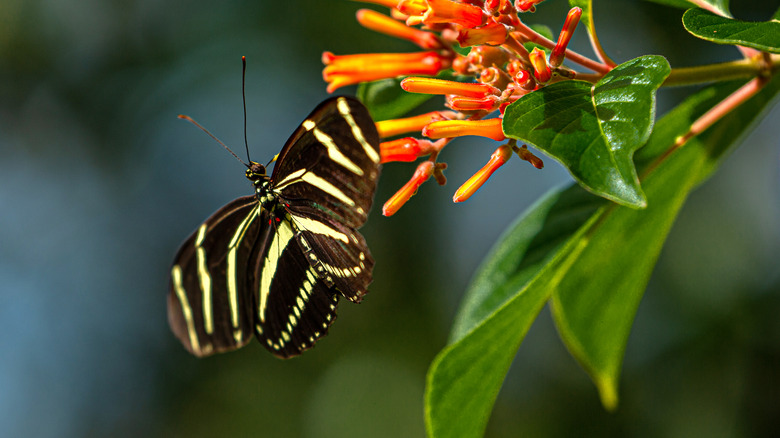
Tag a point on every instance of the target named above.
point(503, 60)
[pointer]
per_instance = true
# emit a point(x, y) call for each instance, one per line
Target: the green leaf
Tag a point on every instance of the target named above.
point(594, 306)
point(593, 130)
point(565, 243)
point(721, 5)
point(386, 99)
point(764, 35)
point(508, 292)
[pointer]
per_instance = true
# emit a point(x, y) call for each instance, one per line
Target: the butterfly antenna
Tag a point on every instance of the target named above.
point(190, 119)
point(243, 97)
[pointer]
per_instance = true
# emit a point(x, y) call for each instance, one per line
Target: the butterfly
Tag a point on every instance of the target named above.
point(275, 264)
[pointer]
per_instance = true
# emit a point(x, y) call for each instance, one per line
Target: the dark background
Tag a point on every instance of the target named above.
point(100, 183)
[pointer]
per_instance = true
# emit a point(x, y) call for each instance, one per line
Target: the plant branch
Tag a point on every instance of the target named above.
point(743, 68)
point(596, 43)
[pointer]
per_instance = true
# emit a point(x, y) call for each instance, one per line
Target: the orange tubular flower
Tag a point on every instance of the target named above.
point(375, 21)
point(558, 53)
point(412, 7)
point(393, 127)
point(496, 7)
point(423, 173)
point(527, 5)
point(441, 86)
point(386, 3)
point(405, 149)
point(443, 11)
point(345, 70)
point(490, 128)
point(459, 103)
point(499, 157)
point(538, 59)
point(492, 34)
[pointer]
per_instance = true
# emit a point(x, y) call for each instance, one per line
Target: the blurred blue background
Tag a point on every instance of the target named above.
point(100, 183)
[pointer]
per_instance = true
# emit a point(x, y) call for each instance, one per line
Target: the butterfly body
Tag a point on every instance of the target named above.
point(275, 264)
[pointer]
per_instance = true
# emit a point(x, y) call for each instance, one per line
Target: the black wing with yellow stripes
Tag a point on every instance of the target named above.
point(275, 264)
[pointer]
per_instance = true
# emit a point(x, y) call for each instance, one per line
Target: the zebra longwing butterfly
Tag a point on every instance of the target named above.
point(274, 264)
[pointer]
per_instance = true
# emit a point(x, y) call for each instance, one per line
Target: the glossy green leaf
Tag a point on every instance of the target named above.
point(567, 242)
point(386, 99)
point(764, 35)
point(593, 130)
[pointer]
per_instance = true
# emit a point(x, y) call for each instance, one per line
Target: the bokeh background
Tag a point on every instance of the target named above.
point(100, 183)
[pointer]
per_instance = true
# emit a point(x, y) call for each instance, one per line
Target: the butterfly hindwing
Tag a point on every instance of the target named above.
point(209, 304)
point(338, 254)
point(295, 306)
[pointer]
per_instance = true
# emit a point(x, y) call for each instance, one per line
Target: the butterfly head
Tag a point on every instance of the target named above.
point(256, 172)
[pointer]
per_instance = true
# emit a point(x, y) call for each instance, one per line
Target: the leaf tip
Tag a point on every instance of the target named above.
point(607, 388)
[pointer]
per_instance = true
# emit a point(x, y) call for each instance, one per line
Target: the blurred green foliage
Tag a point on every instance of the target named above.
point(99, 183)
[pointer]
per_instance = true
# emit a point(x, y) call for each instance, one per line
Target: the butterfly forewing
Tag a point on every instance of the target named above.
point(210, 304)
point(329, 166)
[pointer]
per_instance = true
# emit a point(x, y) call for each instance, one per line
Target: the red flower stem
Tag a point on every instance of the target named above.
point(596, 44)
point(723, 107)
point(709, 118)
point(513, 45)
point(571, 55)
